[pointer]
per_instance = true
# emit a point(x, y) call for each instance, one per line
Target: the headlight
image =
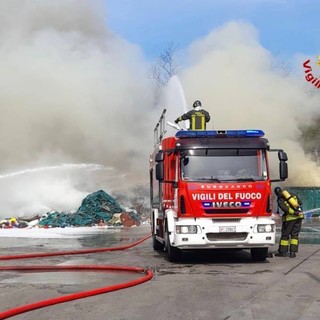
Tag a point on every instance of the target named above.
point(186, 229)
point(268, 227)
point(261, 228)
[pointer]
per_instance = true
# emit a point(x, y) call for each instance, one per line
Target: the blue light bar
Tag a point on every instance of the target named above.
point(220, 133)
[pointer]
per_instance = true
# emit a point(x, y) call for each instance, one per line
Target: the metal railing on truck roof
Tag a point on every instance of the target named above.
point(160, 130)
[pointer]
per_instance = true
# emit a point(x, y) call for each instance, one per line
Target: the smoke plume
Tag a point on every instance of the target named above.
point(234, 77)
point(71, 91)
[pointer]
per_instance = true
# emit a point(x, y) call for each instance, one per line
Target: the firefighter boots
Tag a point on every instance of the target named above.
point(281, 254)
point(292, 254)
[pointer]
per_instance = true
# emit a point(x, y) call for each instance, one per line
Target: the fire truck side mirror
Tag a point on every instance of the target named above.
point(159, 157)
point(159, 171)
point(282, 156)
point(159, 166)
point(283, 167)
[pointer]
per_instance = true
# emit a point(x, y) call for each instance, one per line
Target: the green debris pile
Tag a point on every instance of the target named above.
point(95, 207)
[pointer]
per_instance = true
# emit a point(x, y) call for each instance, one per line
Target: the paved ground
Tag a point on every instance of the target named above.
point(218, 285)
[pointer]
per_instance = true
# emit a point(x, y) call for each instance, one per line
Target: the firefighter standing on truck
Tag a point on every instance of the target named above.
point(198, 117)
point(291, 222)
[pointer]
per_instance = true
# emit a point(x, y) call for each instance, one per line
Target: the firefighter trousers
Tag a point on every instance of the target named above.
point(290, 236)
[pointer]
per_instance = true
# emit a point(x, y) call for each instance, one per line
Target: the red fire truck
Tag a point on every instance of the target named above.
point(212, 190)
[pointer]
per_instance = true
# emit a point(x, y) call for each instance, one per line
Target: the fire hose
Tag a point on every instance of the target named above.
point(148, 274)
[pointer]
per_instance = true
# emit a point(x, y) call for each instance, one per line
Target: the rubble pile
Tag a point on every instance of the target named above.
point(97, 208)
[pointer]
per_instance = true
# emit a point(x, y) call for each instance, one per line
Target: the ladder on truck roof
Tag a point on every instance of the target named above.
point(160, 130)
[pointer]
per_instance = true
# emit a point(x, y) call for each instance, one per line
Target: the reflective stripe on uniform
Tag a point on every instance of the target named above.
point(291, 217)
point(294, 242)
point(198, 121)
point(284, 243)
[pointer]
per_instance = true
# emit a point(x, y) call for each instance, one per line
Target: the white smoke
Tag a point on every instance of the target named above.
point(70, 92)
point(233, 75)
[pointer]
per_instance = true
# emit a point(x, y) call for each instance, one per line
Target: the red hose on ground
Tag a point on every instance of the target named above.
point(41, 304)
point(64, 253)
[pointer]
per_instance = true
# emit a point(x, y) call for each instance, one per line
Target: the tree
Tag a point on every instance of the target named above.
point(165, 66)
point(282, 66)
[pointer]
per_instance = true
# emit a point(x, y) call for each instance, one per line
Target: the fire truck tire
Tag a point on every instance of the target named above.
point(259, 254)
point(174, 254)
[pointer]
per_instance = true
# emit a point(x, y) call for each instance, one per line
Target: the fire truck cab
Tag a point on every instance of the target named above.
point(212, 190)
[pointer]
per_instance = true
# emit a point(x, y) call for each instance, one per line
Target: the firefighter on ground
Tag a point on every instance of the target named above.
point(198, 117)
point(291, 222)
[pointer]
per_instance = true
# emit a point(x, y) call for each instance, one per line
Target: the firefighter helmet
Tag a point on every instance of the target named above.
point(277, 191)
point(197, 103)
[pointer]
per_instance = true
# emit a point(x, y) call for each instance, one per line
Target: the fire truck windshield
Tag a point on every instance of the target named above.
point(223, 165)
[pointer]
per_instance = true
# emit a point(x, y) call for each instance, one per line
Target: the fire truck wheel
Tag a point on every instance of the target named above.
point(259, 254)
point(174, 254)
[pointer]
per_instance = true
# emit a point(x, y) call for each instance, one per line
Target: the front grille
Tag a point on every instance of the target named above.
point(225, 211)
point(222, 236)
point(223, 220)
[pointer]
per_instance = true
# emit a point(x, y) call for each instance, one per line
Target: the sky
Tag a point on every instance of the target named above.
point(79, 108)
point(285, 27)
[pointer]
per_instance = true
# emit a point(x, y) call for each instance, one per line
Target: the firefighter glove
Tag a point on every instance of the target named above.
point(176, 121)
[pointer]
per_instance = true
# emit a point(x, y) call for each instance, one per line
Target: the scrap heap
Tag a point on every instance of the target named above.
point(97, 207)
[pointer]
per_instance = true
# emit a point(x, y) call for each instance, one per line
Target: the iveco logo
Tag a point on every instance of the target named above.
point(226, 186)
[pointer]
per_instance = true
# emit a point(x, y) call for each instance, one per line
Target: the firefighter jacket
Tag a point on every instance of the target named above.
point(198, 118)
point(289, 213)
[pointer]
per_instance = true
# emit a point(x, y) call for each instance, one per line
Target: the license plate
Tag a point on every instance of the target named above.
point(227, 229)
